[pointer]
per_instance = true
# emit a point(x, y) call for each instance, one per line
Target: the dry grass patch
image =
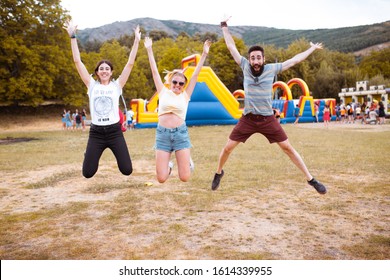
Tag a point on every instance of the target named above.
point(264, 209)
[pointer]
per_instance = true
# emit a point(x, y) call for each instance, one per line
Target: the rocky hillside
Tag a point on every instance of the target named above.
point(346, 39)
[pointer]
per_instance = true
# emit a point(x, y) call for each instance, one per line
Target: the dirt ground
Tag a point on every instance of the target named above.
point(45, 198)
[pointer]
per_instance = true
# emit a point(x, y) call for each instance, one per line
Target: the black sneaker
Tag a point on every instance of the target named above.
point(320, 188)
point(217, 180)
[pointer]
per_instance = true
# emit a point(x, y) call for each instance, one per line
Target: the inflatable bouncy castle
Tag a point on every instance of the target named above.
point(306, 103)
point(213, 104)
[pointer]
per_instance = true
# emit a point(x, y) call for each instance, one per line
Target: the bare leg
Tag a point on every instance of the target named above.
point(295, 158)
point(225, 153)
point(183, 164)
point(162, 161)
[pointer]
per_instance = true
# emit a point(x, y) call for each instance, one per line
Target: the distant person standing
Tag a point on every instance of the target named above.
point(337, 109)
point(316, 110)
point(74, 119)
point(358, 111)
point(350, 113)
point(78, 119)
point(63, 119)
point(129, 119)
point(381, 113)
point(326, 116)
point(258, 116)
point(68, 119)
point(104, 94)
point(297, 113)
point(343, 113)
point(363, 112)
point(83, 118)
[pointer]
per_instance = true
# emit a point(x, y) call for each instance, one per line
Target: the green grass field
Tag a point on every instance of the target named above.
point(264, 209)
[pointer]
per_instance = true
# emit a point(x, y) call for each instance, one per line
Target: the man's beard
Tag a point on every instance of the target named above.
point(257, 73)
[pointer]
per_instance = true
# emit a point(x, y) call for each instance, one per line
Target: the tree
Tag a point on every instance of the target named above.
point(327, 82)
point(91, 46)
point(377, 63)
point(224, 65)
point(183, 34)
point(379, 80)
point(157, 35)
point(204, 36)
point(32, 51)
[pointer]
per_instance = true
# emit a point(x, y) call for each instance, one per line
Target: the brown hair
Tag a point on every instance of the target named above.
point(100, 63)
point(256, 48)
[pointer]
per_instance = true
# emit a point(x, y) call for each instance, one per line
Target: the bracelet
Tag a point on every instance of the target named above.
point(223, 24)
point(73, 36)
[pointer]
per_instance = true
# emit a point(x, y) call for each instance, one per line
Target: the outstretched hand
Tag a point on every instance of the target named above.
point(70, 28)
point(317, 46)
point(225, 18)
point(148, 42)
point(137, 33)
point(206, 46)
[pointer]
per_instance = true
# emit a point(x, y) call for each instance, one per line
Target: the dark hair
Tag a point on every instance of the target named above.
point(101, 62)
point(256, 48)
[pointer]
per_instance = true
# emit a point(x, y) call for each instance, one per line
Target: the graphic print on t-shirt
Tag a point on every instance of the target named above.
point(103, 106)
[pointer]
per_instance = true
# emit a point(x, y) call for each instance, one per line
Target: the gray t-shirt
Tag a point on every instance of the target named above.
point(258, 90)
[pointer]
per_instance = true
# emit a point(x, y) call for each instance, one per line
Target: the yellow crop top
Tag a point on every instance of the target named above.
point(169, 102)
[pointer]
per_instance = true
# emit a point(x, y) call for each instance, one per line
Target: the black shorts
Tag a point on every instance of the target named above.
point(266, 125)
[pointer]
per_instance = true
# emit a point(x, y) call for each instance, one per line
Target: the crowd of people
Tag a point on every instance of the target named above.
point(75, 120)
point(350, 113)
point(375, 113)
point(78, 120)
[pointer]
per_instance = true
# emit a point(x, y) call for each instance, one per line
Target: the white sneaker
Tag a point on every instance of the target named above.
point(170, 166)
point(192, 165)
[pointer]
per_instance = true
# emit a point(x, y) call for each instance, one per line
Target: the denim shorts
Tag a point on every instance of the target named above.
point(172, 139)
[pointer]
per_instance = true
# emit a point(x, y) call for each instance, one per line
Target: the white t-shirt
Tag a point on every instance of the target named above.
point(129, 115)
point(372, 115)
point(358, 110)
point(104, 102)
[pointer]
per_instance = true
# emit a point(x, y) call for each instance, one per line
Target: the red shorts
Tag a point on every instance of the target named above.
point(250, 124)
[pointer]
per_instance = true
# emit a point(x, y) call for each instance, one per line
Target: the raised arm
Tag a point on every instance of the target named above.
point(81, 69)
point(301, 56)
point(194, 78)
point(130, 63)
point(153, 66)
point(231, 45)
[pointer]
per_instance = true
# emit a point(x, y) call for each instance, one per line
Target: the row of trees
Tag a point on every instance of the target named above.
point(36, 62)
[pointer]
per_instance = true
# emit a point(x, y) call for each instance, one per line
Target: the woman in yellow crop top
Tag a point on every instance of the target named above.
point(172, 133)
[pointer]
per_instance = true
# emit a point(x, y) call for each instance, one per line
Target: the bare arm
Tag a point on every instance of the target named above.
point(153, 66)
point(231, 45)
point(301, 56)
point(130, 63)
point(194, 78)
point(81, 69)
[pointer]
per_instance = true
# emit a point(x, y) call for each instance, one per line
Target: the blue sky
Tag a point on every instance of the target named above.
point(298, 14)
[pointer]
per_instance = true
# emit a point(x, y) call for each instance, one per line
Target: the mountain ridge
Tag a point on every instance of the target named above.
point(344, 39)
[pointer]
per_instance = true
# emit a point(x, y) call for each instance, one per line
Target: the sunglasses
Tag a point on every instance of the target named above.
point(176, 82)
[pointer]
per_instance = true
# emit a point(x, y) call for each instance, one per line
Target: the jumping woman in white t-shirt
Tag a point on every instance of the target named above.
point(172, 133)
point(104, 94)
